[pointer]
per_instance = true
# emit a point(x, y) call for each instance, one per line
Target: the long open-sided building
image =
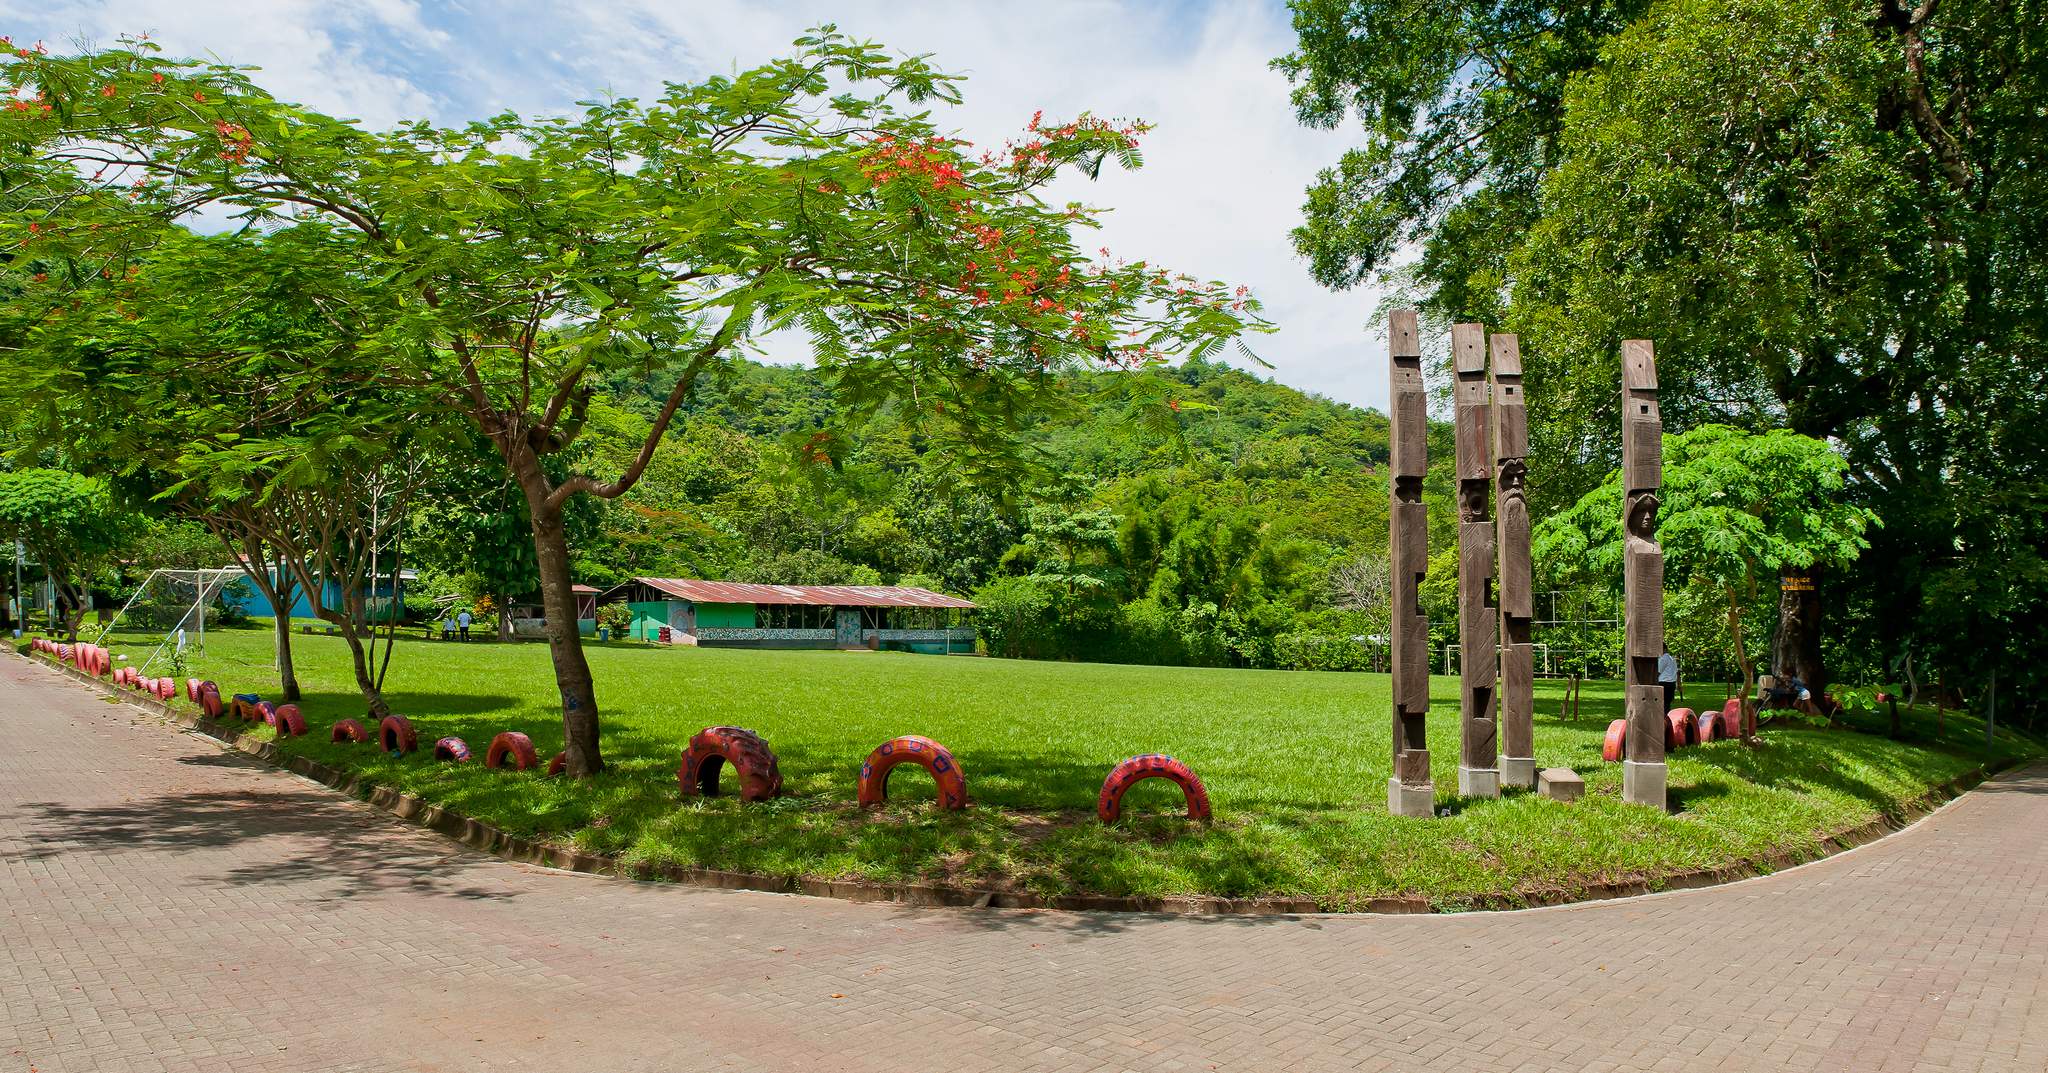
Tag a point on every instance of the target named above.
point(687, 611)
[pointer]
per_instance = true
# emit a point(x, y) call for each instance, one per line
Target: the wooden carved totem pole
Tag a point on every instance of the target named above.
point(1410, 791)
point(1642, 464)
point(1478, 618)
point(1517, 596)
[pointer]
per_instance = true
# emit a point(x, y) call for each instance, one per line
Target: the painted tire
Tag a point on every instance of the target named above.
point(1681, 725)
point(514, 744)
point(714, 747)
point(912, 749)
point(243, 705)
point(209, 700)
point(1109, 805)
point(121, 675)
point(349, 730)
point(268, 711)
point(166, 689)
point(1611, 750)
point(1710, 727)
point(288, 721)
point(1731, 714)
point(192, 690)
point(396, 735)
point(559, 764)
point(453, 750)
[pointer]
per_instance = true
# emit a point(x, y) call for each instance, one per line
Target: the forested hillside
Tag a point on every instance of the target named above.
point(1197, 514)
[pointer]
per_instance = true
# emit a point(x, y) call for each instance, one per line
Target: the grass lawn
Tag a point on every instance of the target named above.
point(1295, 762)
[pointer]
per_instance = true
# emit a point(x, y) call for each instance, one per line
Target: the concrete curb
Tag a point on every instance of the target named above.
point(481, 836)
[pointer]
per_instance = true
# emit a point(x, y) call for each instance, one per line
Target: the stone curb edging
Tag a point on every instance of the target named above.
point(481, 836)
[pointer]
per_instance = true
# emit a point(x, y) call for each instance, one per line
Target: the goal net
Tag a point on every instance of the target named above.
point(173, 605)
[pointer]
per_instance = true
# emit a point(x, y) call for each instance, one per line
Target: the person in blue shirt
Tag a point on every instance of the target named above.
point(1667, 676)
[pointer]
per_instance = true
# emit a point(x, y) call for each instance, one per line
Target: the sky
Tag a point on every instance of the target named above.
point(1224, 172)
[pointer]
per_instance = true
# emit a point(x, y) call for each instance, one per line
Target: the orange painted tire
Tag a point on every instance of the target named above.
point(1710, 727)
point(243, 706)
point(559, 764)
point(396, 735)
point(1109, 805)
point(1678, 729)
point(714, 747)
point(1611, 750)
point(289, 723)
point(912, 749)
point(349, 730)
point(514, 744)
point(453, 750)
point(209, 700)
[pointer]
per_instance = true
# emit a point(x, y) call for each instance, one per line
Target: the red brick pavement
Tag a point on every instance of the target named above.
point(168, 906)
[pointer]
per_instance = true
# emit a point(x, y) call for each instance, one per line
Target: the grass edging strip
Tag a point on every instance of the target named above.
point(484, 837)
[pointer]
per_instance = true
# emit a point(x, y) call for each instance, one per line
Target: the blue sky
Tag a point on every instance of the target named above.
point(1224, 174)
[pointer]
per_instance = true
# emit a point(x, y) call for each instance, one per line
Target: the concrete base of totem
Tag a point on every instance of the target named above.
point(1411, 800)
point(1642, 784)
point(1518, 772)
point(1478, 782)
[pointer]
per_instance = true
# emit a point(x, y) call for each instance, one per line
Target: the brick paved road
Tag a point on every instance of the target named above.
point(166, 906)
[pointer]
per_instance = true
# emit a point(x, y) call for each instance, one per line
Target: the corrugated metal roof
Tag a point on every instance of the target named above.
point(734, 592)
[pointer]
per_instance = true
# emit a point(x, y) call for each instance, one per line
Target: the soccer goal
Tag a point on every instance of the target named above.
point(174, 601)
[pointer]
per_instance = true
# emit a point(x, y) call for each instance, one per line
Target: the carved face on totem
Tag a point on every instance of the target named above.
point(1642, 516)
point(1514, 479)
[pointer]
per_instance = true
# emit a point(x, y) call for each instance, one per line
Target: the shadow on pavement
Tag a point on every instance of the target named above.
point(307, 839)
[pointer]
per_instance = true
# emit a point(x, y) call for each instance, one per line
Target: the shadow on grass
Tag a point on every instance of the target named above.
point(308, 839)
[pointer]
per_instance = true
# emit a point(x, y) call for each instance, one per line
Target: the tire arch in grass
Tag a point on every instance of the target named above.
point(714, 748)
point(912, 749)
point(514, 746)
point(1109, 805)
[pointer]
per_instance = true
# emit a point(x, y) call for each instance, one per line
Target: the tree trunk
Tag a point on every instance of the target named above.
point(366, 681)
point(504, 616)
point(1742, 660)
point(558, 604)
point(287, 678)
point(1796, 650)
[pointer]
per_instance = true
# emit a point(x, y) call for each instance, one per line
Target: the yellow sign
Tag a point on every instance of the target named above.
point(1796, 584)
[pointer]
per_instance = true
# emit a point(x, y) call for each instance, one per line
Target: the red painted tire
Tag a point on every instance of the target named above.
point(714, 747)
point(912, 749)
point(209, 700)
point(396, 735)
point(1611, 750)
point(192, 690)
point(288, 721)
point(1679, 730)
point(453, 750)
point(1731, 716)
point(268, 711)
point(351, 730)
point(514, 744)
point(121, 676)
point(1710, 727)
point(559, 764)
point(1109, 805)
point(166, 689)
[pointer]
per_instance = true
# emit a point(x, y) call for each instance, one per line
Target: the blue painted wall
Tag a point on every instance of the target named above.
point(243, 594)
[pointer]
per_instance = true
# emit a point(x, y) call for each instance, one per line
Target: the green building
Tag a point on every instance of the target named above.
point(687, 611)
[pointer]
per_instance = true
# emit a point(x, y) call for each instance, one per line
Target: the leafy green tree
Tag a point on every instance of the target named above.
point(1736, 508)
point(67, 522)
point(533, 260)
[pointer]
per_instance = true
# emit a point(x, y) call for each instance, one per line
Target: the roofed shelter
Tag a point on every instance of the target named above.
point(730, 614)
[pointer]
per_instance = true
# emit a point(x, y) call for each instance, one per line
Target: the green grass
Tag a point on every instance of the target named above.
point(1295, 763)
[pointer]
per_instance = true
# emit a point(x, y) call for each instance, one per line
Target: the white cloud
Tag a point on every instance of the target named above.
point(1225, 168)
